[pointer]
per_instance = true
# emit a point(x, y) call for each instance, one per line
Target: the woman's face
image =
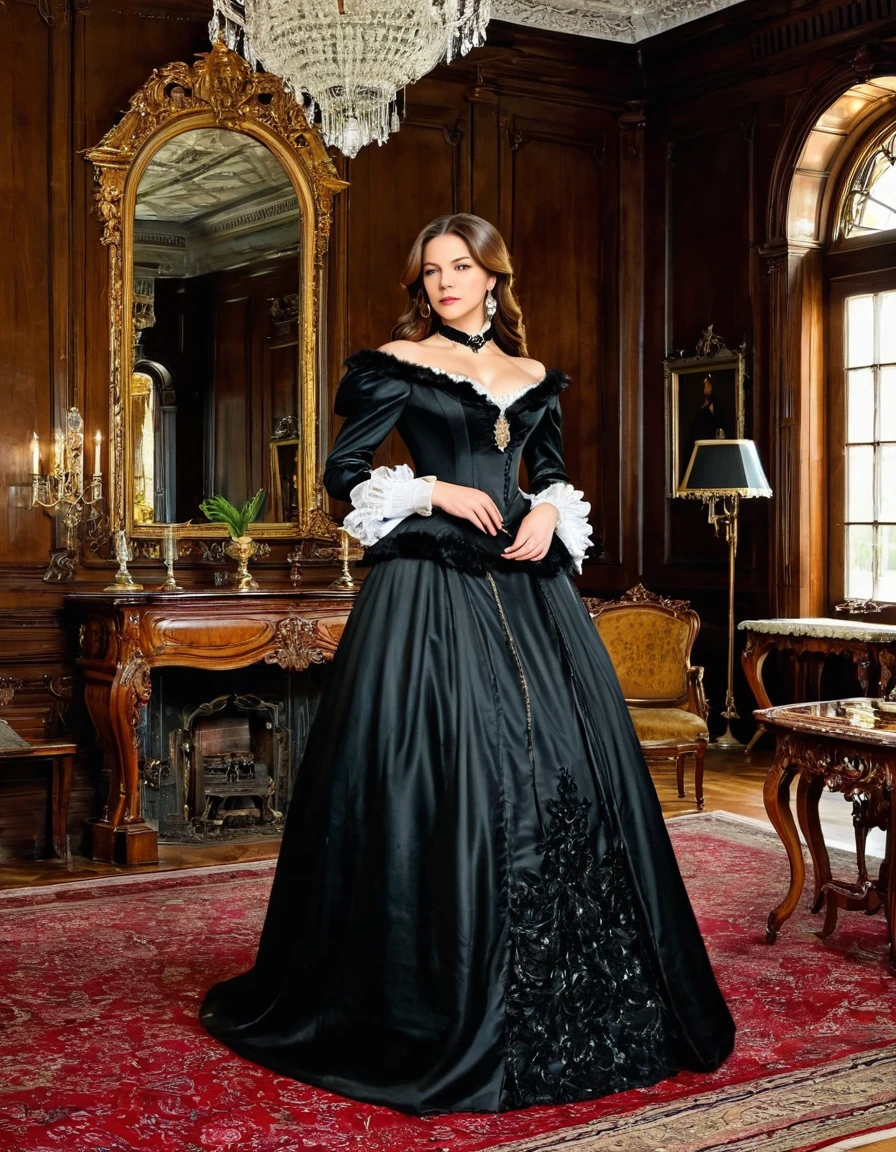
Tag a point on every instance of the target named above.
point(454, 283)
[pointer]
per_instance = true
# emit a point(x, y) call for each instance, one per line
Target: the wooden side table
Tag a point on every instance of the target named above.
point(61, 753)
point(871, 647)
point(848, 746)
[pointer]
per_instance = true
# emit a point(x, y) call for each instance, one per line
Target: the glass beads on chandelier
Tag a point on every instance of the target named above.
point(351, 57)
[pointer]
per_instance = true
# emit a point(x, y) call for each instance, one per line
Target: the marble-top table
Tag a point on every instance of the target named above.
point(871, 647)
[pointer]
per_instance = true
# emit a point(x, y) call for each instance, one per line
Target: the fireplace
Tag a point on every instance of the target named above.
point(220, 750)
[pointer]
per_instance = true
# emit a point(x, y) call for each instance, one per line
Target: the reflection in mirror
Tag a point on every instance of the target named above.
point(154, 423)
point(215, 388)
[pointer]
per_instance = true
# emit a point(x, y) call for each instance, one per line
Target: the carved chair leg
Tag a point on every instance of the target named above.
point(699, 757)
point(679, 774)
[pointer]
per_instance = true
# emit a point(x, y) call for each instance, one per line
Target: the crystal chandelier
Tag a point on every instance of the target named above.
point(351, 57)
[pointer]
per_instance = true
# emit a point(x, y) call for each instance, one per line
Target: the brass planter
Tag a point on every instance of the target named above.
point(242, 549)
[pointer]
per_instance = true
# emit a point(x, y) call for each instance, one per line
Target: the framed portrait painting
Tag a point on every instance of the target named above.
point(704, 401)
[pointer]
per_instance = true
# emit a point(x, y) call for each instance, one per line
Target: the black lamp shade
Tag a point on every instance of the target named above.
point(725, 468)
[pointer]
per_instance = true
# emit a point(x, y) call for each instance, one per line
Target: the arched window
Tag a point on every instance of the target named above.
point(870, 202)
point(860, 270)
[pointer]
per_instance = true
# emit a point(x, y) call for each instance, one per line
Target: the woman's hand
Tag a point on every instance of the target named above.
point(533, 537)
point(468, 504)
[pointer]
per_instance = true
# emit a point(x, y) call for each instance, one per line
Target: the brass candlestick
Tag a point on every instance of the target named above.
point(169, 555)
point(123, 581)
point(345, 579)
point(294, 560)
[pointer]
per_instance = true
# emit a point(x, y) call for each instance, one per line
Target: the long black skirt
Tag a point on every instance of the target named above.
point(476, 905)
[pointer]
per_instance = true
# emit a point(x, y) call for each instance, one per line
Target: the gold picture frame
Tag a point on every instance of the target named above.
point(704, 400)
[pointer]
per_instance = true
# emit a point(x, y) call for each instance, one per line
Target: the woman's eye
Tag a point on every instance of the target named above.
point(429, 272)
point(462, 267)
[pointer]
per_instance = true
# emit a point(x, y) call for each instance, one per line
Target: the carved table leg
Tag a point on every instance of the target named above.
point(863, 895)
point(861, 821)
point(776, 795)
point(121, 836)
point(814, 668)
point(799, 676)
point(862, 661)
point(887, 661)
point(891, 879)
point(61, 793)
point(753, 659)
point(808, 791)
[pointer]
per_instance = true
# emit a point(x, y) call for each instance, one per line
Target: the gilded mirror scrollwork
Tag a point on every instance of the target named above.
point(215, 196)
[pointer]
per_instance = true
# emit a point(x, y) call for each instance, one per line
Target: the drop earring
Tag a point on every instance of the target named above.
point(421, 304)
point(491, 305)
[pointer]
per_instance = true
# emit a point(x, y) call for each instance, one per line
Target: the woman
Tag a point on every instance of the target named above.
point(476, 905)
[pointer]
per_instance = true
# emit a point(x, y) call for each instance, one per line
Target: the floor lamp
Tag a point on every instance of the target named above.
point(721, 473)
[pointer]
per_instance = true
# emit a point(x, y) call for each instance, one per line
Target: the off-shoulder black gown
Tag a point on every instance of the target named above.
point(476, 905)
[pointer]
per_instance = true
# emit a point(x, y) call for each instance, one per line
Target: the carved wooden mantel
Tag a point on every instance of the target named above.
point(124, 636)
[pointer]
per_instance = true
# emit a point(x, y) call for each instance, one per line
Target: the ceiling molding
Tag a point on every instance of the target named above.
point(626, 21)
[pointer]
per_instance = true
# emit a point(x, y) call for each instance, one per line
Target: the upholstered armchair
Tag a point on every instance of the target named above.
point(649, 639)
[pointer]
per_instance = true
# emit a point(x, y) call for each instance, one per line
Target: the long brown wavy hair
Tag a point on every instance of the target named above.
point(489, 250)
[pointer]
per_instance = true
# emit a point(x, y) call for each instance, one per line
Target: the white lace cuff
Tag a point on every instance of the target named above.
point(390, 495)
point(572, 527)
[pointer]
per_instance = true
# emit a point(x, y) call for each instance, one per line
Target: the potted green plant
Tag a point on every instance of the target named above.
point(219, 510)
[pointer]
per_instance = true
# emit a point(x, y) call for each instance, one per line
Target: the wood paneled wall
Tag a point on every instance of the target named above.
point(546, 172)
point(636, 188)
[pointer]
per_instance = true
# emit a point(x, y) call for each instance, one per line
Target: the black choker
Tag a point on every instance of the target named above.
point(476, 341)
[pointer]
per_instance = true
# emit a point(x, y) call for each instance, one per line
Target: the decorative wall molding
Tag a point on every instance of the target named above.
point(627, 21)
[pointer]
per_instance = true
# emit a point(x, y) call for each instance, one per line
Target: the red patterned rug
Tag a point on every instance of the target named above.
point(100, 1049)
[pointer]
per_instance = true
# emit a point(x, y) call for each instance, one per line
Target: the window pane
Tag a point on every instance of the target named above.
point(880, 208)
point(859, 331)
point(860, 406)
point(859, 484)
point(870, 203)
point(859, 560)
point(886, 495)
point(886, 584)
point(886, 328)
point(887, 404)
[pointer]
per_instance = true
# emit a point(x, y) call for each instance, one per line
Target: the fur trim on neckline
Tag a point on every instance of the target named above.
point(373, 360)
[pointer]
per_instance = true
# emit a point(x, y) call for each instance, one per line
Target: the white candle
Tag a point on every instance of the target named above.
point(97, 442)
point(35, 455)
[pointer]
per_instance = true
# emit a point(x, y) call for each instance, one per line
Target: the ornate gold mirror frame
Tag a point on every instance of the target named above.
point(221, 91)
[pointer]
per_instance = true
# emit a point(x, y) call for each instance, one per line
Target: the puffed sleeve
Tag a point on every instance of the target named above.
point(549, 484)
point(543, 451)
point(372, 404)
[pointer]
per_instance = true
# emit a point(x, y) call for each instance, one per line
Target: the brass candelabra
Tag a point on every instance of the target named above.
point(62, 491)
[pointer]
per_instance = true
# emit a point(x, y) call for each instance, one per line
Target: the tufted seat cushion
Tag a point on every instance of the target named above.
point(667, 725)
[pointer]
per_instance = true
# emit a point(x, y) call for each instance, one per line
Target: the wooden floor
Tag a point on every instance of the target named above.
point(732, 783)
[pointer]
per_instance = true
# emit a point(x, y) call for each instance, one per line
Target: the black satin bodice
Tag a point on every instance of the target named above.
point(449, 429)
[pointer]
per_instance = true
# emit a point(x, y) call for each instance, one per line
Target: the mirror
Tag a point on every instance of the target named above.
point(215, 398)
point(215, 195)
